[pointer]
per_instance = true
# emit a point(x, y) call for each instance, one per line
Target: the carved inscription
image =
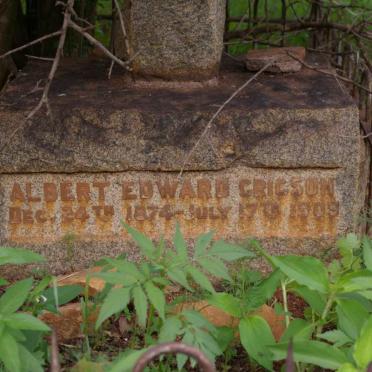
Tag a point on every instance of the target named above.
point(240, 204)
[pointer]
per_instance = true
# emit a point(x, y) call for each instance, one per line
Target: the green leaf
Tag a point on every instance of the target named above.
point(207, 342)
point(140, 304)
point(116, 300)
point(363, 346)
point(187, 339)
point(367, 252)
point(215, 267)
point(351, 317)
point(179, 276)
point(3, 282)
point(336, 337)
point(307, 271)
point(229, 252)
point(127, 361)
point(18, 256)
point(117, 278)
point(313, 352)
point(256, 336)
point(317, 301)
point(29, 361)
point(226, 302)
point(197, 320)
point(9, 352)
point(65, 294)
point(202, 243)
point(156, 297)
point(145, 244)
point(298, 329)
point(347, 367)
point(15, 296)
point(269, 285)
point(200, 279)
point(346, 247)
point(224, 337)
point(355, 281)
point(25, 321)
point(170, 330)
point(180, 244)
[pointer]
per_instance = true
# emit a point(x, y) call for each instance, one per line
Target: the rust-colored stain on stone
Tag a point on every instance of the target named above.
point(245, 202)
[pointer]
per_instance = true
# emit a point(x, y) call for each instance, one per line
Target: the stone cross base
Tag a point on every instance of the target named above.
point(284, 162)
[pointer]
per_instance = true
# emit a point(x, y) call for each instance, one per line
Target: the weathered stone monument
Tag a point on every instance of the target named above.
point(283, 162)
point(173, 39)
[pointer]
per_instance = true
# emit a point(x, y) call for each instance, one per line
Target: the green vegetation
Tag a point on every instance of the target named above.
point(335, 332)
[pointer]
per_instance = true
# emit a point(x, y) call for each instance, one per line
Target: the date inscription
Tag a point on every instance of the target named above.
point(240, 204)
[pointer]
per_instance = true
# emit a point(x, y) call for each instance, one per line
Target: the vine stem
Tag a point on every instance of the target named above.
point(325, 312)
point(285, 302)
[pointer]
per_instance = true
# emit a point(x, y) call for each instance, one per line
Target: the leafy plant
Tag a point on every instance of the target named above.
point(14, 351)
point(144, 284)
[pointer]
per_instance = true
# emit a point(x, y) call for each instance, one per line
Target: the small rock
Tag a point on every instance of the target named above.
point(256, 59)
point(221, 319)
point(80, 278)
point(68, 322)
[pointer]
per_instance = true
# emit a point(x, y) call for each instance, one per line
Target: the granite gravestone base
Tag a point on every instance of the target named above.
point(284, 163)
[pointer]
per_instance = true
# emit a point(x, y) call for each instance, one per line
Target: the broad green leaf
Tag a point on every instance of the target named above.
point(298, 329)
point(336, 337)
point(140, 304)
point(229, 252)
point(351, 317)
point(226, 302)
point(307, 271)
point(145, 244)
point(170, 330)
point(200, 279)
point(65, 294)
point(363, 346)
point(18, 256)
point(316, 300)
point(355, 281)
point(179, 276)
point(269, 285)
point(9, 352)
point(29, 361)
point(367, 252)
point(116, 300)
point(224, 337)
point(215, 267)
point(25, 321)
point(256, 336)
point(3, 282)
point(127, 361)
point(347, 367)
point(202, 243)
point(313, 352)
point(15, 296)
point(180, 244)
point(156, 297)
point(346, 247)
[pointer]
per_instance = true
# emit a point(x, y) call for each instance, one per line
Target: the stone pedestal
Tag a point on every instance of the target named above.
point(283, 162)
point(173, 39)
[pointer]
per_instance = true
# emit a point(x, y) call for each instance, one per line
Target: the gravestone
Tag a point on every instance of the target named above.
point(173, 39)
point(283, 162)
